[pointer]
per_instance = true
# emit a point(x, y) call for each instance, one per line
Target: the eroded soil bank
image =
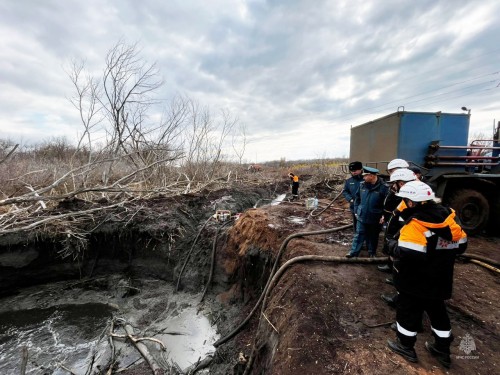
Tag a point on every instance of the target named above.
point(328, 317)
point(320, 317)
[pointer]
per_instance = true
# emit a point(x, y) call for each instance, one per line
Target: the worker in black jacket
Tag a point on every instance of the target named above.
point(393, 223)
point(424, 258)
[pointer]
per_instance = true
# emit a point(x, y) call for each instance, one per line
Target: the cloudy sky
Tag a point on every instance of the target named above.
point(296, 73)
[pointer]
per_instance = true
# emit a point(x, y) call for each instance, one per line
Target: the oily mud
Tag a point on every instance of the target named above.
point(320, 317)
point(71, 329)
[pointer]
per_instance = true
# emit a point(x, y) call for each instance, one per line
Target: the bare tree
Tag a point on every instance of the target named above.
point(480, 139)
point(182, 152)
point(128, 85)
point(239, 143)
point(203, 141)
point(224, 128)
point(86, 102)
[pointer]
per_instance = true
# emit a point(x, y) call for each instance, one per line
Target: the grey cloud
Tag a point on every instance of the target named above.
point(275, 64)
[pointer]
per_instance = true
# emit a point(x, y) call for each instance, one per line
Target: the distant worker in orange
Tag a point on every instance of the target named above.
point(295, 185)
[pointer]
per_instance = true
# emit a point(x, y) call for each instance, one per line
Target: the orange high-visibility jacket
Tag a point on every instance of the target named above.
point(425, 255)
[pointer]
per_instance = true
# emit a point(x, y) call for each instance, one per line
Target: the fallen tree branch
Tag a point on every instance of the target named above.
point(58, 217)
point(143, 349)
point(24, 359)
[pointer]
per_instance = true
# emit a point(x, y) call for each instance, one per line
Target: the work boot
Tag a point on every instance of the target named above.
point(385, 268)
point(443, 357)
point(389, 281)
point(390, 300)
point(406, 352)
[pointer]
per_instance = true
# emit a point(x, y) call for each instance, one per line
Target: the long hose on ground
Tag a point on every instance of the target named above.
point(189, 254)
point(212, 263)
point(485, 265)
point(303, 258)
point(481, 258)
point(273, 271)
point(328, 206)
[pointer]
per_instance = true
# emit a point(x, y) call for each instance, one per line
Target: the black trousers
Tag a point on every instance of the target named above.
point(409, 313)
point(295, 188)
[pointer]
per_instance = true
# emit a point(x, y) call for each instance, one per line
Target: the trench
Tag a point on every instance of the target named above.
point(69, 331)
point(60, 315)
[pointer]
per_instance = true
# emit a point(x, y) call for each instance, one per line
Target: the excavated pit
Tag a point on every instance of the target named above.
point(319, 318)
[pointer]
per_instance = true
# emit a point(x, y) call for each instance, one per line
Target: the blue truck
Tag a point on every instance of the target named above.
point(465, 175)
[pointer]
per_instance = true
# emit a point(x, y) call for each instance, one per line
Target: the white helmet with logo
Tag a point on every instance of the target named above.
point(416, 191)
point(403, 174)
point(397, 163)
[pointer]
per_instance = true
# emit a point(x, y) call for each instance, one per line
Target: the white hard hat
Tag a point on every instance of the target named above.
point(397, 163)
point(403, 174)
point(416, 191)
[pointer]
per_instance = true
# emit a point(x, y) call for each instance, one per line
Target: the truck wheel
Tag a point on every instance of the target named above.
point(472, 210)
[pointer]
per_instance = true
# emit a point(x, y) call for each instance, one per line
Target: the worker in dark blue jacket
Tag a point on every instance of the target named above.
point(369, 209)
point(351, 187)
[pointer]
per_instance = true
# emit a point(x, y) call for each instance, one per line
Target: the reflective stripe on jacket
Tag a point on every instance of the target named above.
point(425, 255)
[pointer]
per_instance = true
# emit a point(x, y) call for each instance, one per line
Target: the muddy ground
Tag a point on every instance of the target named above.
point(320, 317)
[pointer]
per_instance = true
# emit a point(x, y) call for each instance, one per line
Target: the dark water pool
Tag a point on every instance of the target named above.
point(53, 336)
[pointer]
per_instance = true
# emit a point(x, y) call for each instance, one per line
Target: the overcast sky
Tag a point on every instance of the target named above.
point(297, 73)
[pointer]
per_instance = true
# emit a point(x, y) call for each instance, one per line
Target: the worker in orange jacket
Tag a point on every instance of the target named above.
point(295, 185)
point(424, 258)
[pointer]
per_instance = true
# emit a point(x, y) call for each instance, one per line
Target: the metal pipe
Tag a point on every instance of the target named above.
point(468, 157)
point(434, 164)
point(481, 140)
point(465, 147)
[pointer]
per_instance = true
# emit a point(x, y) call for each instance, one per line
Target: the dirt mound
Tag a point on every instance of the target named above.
point(328, 318)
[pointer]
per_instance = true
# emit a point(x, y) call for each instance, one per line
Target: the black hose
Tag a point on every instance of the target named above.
point(275, 266)
point(283, 268)
point(212, 263)
point(189, 254)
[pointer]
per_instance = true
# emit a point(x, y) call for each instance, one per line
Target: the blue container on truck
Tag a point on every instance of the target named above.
point(437, 142)
point(407, 135)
